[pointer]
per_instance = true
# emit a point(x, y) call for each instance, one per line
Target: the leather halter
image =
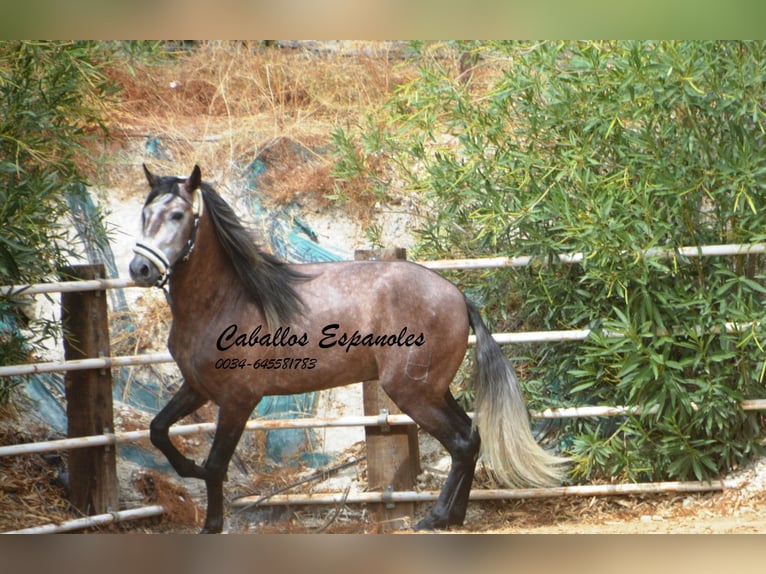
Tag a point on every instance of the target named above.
point(158, 258)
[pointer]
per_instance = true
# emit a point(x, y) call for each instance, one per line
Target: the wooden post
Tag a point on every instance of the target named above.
point(393, 458)
point(92, 471)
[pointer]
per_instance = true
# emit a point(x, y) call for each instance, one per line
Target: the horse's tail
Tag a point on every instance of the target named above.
point(503, 420)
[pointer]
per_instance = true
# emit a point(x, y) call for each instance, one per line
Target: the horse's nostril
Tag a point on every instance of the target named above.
point(141, 270)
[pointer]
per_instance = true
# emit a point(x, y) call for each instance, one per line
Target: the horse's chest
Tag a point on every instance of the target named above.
point(191, 353)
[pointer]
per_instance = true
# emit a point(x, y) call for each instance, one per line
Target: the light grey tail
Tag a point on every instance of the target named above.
point(503, 419)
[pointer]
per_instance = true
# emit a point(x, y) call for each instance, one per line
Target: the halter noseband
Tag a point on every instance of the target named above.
point(158, 258)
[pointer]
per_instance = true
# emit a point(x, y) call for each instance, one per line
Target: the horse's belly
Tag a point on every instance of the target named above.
point(314, 371)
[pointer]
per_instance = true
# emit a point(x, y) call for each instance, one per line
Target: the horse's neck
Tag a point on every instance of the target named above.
point(205, 282)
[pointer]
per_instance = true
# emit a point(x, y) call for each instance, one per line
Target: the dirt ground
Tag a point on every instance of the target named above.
point(711, 514)
point(738, 509)
point(33, 494)
point(698, 514)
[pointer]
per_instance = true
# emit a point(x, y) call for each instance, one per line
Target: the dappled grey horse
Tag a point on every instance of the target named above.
point(246, 325)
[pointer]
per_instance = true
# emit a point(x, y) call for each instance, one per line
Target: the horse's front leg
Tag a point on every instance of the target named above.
point(183, 403)
point(231, 423)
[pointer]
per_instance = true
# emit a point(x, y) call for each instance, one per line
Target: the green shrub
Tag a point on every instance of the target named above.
point(52, 97)
point(607, 149)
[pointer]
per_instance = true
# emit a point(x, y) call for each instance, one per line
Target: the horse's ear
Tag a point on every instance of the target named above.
point(150, 177)
point(194, 181)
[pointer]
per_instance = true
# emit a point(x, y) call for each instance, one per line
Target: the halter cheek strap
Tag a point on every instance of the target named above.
point(158, 258)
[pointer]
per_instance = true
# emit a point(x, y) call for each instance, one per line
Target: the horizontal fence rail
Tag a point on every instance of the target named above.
point(390, 420)
point(486, 494)
point(524, 260)
point(158, 358)
point(91, 521)
point(67, 286)
point(311, 422)
point(444, 264)
point(84, 364)
point(391, 497)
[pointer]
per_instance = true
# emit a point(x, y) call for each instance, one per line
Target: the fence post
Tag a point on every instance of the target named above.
point(92, 471)
point(393, 458)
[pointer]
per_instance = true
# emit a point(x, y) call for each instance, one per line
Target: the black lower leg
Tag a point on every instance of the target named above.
point(451, 506)
point(231, 423)
point(183, 403)
point(214, 515)
point(464, 482)
point(462, 443)
point(469, 456)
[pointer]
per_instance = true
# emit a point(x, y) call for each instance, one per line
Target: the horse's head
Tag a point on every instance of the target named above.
point(169, 221)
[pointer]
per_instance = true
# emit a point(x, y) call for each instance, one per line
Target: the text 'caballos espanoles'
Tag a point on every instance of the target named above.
point(331, 336)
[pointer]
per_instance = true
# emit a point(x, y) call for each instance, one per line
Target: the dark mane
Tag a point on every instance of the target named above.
point(269, 281)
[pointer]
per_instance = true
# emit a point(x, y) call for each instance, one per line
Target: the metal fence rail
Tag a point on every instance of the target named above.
point(91, 521)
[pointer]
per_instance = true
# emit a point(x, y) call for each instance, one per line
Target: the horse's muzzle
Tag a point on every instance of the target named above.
point(143, 272)
point(149, 266)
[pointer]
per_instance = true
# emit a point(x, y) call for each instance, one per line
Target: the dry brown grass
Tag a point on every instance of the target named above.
point(149, 321)
point(180, 510)
point(29, 495)
point(224, 103)
point(240, 80)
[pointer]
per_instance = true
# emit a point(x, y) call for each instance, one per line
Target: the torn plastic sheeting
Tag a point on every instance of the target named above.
point(293, 240)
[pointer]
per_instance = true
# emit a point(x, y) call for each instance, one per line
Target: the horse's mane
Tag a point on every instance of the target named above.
point(269, 281)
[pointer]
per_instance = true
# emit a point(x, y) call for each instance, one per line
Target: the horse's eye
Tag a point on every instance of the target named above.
point(177, 215)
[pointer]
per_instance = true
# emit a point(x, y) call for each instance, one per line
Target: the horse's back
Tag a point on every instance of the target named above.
point(386, 289)
point(387, 298)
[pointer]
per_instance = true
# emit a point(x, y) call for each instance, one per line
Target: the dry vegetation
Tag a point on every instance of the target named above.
point(226, 103)
point(30, 494)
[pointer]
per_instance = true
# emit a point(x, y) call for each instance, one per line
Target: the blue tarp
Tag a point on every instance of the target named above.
point(292, 240)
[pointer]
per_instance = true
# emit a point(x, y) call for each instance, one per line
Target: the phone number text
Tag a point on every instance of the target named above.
point(284, 363)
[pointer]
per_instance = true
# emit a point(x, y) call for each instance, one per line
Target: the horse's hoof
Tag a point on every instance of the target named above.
point(431, 523)
point(211, 529)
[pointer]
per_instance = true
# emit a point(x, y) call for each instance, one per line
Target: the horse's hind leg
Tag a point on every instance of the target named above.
point(452, 428)
point(468, 450)
point(446, 421)
point(183, 403)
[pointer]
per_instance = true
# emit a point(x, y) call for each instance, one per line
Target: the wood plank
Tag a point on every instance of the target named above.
point(92, 471)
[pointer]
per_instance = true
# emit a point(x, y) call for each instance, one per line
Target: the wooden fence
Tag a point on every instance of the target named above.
point(391, 437)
